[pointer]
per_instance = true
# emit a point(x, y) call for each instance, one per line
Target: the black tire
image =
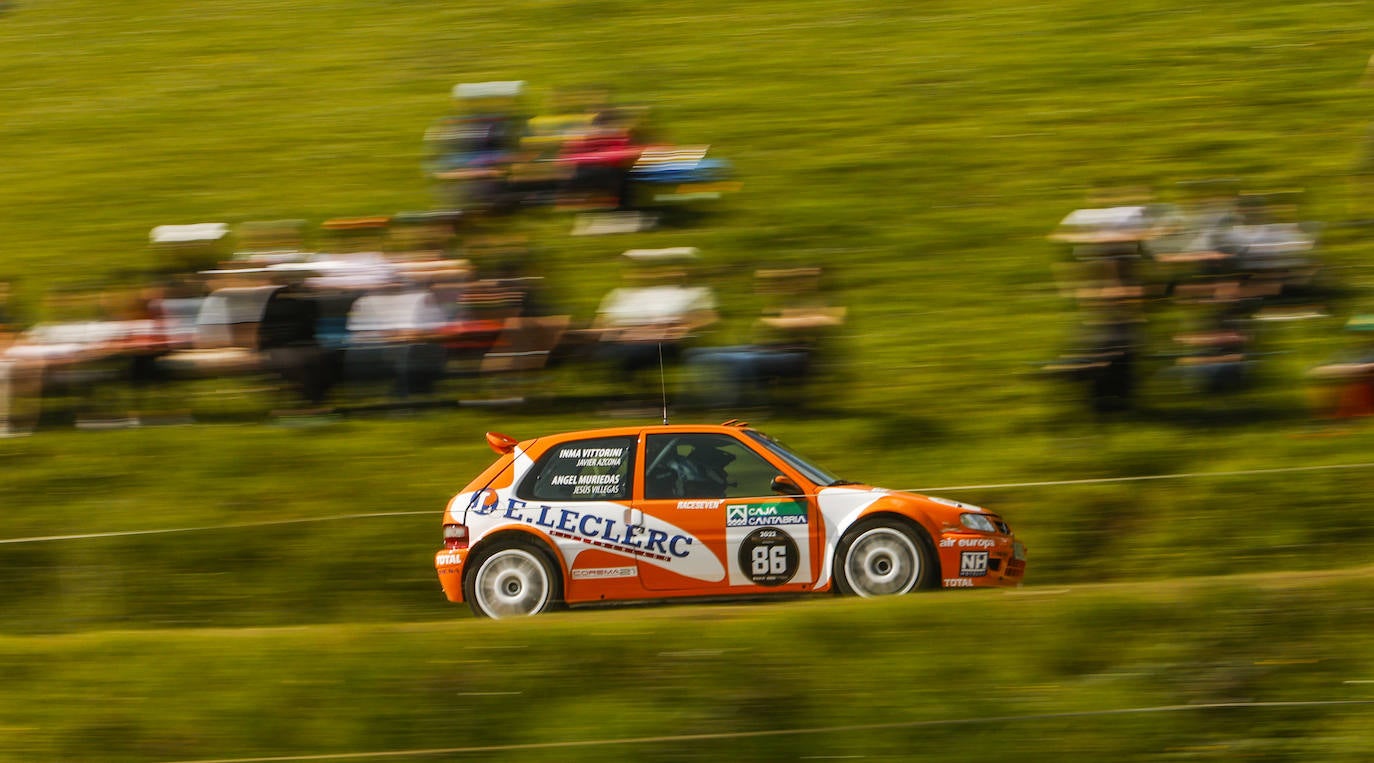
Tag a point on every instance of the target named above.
point(512, 579)
point(884, 557)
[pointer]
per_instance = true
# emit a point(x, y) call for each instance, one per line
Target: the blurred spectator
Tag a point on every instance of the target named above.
point(169, 311)
point(1275, 247)
point(1104, 359)
point(226, 327)
point(538, 175)
point(792, 340)
point(353, 256)
point(469, 151)
point(393, 335)
point(151, 341)
point(1196, 251)
point(287, 338)
point(82, 352)
point(1218, 357)
point(601, 159)
point(1247, 246)
point(1106, 248)
point(656, 315)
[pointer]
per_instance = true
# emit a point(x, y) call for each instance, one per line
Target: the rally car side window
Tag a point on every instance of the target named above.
point(704, 466)
point(595, 469)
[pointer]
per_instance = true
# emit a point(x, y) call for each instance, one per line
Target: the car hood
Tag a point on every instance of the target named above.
point(842, 504)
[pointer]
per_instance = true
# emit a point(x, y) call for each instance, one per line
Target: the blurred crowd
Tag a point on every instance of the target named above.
point(1193, 292)
point(441, 306)
point(1189, 291)
point(398, 312)
point(418, 307)
point(581, 152)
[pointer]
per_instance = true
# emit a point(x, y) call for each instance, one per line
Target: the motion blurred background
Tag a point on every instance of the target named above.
point(1103, 269)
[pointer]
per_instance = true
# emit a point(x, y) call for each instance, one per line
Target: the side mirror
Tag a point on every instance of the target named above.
point(784, 485)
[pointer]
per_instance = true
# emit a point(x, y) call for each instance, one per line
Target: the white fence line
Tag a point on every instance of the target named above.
point(206, 528)
point(436, 513)
point(1141, 478)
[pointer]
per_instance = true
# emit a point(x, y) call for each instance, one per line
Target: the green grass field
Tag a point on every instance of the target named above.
point(920, 154)
point(1217, 669)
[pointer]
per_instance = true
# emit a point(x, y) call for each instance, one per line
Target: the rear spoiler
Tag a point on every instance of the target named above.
point(501, 443)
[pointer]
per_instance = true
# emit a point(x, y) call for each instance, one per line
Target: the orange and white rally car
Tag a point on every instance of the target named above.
point(653, 512)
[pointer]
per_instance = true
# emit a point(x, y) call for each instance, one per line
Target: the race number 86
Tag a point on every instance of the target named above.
point(769, 556)
point(769, 560)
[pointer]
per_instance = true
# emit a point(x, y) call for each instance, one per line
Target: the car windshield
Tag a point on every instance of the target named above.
point(812, 472)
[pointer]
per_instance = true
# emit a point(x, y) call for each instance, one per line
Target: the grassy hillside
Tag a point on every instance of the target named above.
point(920, 153)
point(1270, 667)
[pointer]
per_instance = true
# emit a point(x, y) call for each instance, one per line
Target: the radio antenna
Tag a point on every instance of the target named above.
point(662, 385)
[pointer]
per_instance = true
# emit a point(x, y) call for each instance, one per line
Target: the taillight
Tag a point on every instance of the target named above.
point(455, 536)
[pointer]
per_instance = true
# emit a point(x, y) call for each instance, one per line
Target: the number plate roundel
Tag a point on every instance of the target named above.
point(769, 556)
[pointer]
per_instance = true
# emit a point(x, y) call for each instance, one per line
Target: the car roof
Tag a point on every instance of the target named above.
point(646, 428)
point(622, 431)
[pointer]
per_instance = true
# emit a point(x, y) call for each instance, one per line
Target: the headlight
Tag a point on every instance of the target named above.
point(977, 522)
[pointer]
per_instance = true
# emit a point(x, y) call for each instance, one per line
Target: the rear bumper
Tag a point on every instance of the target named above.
point(449, 564)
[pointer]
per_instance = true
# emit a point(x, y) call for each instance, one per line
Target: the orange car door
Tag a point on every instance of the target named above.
point(712, 489)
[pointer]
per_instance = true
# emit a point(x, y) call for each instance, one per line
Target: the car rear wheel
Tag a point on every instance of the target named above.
point(884, 557)
point(513, 580)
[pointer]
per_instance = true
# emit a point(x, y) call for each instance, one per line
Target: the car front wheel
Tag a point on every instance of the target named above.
point(511, 581)
point(883, 557)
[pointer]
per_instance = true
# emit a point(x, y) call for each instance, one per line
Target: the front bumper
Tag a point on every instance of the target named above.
point(975, 560)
